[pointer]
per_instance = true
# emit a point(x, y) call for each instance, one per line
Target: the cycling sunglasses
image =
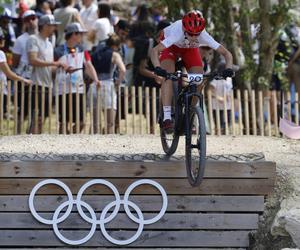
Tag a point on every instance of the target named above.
point(191, 34)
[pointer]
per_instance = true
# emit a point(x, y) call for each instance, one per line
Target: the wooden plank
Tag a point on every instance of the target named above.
point(210, 112)
point(123, 169)
point(100, 248)
point(147, 239)
point(297, 108)
point(274, 106)
point(174, 221)
point(172, 186)
point(48, 203)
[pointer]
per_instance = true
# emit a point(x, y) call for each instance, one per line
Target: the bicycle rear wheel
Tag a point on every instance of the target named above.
point(169, 142)
point(195, 146)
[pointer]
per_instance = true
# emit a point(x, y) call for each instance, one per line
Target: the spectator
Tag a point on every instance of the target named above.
point(40, 56)
point(221, 93)
point(20, 57)
point(8, 32)
point(102, 27)
point(106, 58)
point(42, 8)
point(6, 72)
point(89, 15)
point(66, 15)
point(76, 58)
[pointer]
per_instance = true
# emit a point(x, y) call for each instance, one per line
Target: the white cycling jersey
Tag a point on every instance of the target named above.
point(174, 35)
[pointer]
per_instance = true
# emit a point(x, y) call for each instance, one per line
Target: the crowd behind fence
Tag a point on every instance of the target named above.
point(251, 112)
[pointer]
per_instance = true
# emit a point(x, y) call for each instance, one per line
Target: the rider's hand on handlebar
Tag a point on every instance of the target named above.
point(160, 72)
point(228, 73)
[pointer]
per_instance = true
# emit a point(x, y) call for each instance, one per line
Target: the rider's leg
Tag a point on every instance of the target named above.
point(167, 88)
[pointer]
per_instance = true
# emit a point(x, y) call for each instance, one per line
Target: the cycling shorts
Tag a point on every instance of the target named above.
point(190, 56)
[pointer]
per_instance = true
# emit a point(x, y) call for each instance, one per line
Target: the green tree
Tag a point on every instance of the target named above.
point(2, 2)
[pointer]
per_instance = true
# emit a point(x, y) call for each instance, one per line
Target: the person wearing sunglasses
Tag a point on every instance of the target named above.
point(182, 39)
point(20, 58)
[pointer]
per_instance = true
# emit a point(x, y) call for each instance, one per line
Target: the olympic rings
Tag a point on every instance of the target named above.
point(93, 219)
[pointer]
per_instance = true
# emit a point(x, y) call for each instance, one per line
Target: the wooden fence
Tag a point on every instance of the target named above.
point(251, 112)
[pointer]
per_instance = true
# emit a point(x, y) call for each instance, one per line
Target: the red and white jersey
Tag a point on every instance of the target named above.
point(174, 35)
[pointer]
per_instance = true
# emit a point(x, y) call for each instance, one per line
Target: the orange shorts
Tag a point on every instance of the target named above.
point(190, 56)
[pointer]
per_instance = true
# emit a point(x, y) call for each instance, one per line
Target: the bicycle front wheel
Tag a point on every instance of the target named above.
point(195, 146)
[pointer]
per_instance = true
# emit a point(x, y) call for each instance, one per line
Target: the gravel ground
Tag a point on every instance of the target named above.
point(284, 152)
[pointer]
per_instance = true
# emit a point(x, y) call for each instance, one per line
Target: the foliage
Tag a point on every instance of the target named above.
point(2, 2)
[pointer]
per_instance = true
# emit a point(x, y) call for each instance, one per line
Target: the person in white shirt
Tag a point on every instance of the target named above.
point(5, 71)
point(182, 39)
point(103, 26)
point(89, 15)
point(20, 58)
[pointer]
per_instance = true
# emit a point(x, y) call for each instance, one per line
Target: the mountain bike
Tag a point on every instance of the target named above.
point(188, 119)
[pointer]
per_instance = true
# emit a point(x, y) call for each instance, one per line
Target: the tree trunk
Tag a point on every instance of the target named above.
point(246, 73)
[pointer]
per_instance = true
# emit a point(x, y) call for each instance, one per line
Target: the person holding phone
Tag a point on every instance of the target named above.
point(72, 54)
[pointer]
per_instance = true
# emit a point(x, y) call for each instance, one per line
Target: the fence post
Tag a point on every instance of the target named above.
point(269, 116)
point(57, 108)
point(97, 128)
point(64, 119)
point(70, 108)
point(275, 112)
point(261, 113)
point(43, 107)
point(218, 118)
point(241, 127)
point(288, 104)
point(126, 109)
point(84, 108)
point(50, 108)
point(253, 111)
point(92, 110)
point(30, 121)
point(232, 113)
point(153, 125)
point(140, 108)
point(77, 125)
point(210, 112)
point(22, 107)
point(246, 112)
point(147, 110)
point(297, 108)
point(225, 113)
point(15, 107)
point(133, 108)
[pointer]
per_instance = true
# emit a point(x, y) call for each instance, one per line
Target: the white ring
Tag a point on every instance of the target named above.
point(37, 187)
point(101, 182)
point(161, 190)
point(135, 236)
point(63, 238)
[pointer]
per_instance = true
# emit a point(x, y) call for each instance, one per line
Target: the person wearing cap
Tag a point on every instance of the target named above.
point(5, 71)
point(76, 58)
point(20, 58)
point(40, 56)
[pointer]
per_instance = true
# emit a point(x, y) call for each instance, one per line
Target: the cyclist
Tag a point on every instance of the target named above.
point(182, 39)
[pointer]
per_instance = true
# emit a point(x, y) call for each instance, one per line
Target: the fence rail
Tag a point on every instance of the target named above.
point(38, 109)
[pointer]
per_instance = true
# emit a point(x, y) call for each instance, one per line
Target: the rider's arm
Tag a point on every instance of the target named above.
point(155, 54)
point(227, 55)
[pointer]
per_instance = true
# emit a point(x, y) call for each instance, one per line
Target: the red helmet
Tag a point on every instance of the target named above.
point(193, 22)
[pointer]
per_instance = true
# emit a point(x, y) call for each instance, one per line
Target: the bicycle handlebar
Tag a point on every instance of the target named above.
point(179, 74)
